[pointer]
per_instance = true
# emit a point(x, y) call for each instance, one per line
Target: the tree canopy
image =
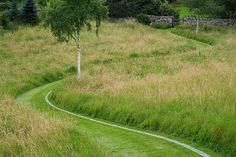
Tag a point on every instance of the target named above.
point(213, 8)
point(68, 17)
point(30, 15)
point(131, 8)
point(207, 8)
point(229, 8)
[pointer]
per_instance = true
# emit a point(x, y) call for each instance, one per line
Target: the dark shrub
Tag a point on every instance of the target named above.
point(161, 25)
point(118, 8)
point(4, 23)
point(29, 14)
point(144, 19)
point(150, 7)
point(229, 10)
point(12, 12)
point(167, 10)
point(131, 8)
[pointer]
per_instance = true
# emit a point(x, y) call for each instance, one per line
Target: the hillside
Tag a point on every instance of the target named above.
point(131, 75)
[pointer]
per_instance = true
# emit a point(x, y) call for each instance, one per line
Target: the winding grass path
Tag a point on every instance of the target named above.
point(116, 140)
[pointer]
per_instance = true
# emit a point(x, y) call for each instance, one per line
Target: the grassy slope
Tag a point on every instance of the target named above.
point(118, 142)
point(31, 57)
point(160, 82)
point(41, 134)
point(207, 34)
point(27, 60)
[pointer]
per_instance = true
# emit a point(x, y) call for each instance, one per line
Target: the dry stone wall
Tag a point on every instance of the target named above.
point(169, 20)
point(213, 22)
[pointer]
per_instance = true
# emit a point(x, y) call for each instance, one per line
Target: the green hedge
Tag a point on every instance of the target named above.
point(144, 19)
point(190, 33)
point(161, 25)
point(131, 8)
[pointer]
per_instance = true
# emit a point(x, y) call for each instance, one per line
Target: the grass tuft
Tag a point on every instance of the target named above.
point(203, 35)
point(40, 134)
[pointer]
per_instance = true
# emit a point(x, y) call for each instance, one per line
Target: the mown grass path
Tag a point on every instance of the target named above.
point(116, 141)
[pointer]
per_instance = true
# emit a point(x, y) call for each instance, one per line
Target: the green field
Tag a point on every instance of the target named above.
point(164, 81)
point(185, 89)
point(28, 59)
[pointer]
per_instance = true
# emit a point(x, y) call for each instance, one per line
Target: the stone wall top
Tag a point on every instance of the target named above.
point(162, 19)
point(210, 21)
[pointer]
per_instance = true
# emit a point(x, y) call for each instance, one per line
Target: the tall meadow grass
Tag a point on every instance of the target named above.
point(26, 132)
point(187, 90)
point(131, 74)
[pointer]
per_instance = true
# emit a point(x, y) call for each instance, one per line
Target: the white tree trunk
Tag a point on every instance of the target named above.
point(78, 72)
point(197, 28)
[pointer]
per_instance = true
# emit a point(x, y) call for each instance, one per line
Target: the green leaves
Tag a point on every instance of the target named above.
point(204, 8)
point(68, 17)
point(131, 8)
point(30, 15)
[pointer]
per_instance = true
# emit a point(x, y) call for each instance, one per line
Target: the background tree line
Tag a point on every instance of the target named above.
point(212, 8)
point(131, 8)
point(20, 11)
point(30, 11)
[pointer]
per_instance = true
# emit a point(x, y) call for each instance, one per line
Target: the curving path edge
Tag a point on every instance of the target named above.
point(199, 152)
